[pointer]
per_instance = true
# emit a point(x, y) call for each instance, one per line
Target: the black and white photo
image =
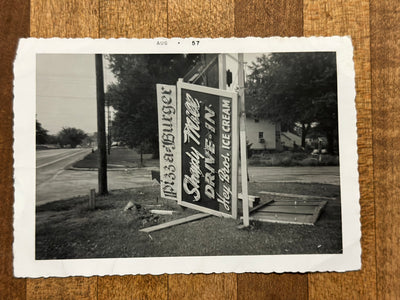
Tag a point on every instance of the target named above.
point(186, 156)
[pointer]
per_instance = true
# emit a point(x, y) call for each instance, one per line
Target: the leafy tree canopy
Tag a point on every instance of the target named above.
point(295, 89)
point(133, 96)
point(71, 136)
point(41, 134)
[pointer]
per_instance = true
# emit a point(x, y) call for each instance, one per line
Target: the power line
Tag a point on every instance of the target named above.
point(55, 76)
point(67, 97)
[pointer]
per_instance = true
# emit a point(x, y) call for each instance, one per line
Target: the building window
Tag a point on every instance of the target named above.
point(260, 135)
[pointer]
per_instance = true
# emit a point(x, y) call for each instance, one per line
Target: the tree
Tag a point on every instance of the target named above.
point(71, 136)
point(295, 89)
point(41, 134)
point(52, 139)
point(133, 96)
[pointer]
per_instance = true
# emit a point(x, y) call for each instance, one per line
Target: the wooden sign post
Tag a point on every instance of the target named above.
point(243, 148)
point(242, 126)
point(92, 199)
point(222, 71)
point(222, 86)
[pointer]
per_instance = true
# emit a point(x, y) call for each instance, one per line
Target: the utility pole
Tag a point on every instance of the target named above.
point(108, 128)
point(101, 126)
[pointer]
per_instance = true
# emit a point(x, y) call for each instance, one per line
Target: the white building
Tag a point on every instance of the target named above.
point(266, 135)
point(262, 134)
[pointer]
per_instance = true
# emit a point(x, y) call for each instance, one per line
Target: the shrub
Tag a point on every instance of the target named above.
point(329, 160)
point(286, 161)
point(287, 158)
point(282, 159)
point(309, 161)
point(258, 160)
point(299, 156)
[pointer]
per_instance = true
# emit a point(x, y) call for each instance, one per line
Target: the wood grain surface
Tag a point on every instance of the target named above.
point(14, 23)
point(351, 18)
point(385, 68)
point(270, 18)
point(375, 29)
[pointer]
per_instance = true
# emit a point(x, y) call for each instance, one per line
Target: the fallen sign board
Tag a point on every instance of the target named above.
point(208, 145)
point(304, 212)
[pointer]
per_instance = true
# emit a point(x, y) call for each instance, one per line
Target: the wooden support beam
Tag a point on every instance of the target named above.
point(175, 222)
point(261, 205)
point(243, 147)
point(162, 212)
point(222, 71)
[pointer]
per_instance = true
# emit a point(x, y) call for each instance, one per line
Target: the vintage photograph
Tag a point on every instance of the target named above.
point(292, 155)
point(188, 154)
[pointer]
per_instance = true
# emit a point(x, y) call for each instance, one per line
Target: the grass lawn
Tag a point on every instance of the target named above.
point(118, 158)
point(68, 229)
point(289, 158)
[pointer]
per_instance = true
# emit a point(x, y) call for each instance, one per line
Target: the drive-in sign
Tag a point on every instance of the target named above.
point(208, 137)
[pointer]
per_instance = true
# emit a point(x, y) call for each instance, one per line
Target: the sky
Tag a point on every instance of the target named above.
point(66, 90)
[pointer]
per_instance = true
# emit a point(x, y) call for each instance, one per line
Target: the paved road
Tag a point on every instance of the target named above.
point(51, 163)
point(50, 166)
point(54, 181)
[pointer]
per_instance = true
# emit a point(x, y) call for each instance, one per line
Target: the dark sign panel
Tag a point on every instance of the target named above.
point(208, 136)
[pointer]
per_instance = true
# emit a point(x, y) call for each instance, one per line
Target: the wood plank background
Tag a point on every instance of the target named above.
point(374, 26)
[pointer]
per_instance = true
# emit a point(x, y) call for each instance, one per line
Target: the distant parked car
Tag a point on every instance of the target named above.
point(316, 152)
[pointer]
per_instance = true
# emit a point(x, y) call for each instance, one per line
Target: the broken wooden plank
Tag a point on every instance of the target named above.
point(161, 212)
point(295, 203)
point(298, 201)
point(282, 218)
point(297, 196)
point(175, 222)
point(289, 209)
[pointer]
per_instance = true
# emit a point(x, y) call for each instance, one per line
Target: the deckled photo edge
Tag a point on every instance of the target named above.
point(25, 264)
